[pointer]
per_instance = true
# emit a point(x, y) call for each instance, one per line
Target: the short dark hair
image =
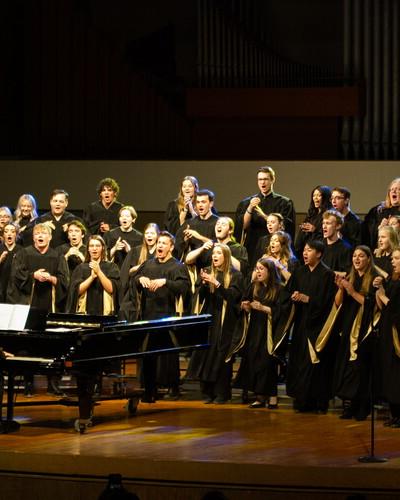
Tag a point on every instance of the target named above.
point(108, 181)
point(167, 234)
point(316, 245)
point(206, 192)
point(55, 192)
point(342, 190)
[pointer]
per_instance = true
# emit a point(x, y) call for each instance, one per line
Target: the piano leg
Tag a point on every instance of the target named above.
point(9, 425)
point(86, 385)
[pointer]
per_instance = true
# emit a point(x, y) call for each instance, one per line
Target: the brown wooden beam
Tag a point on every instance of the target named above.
point(283, 102)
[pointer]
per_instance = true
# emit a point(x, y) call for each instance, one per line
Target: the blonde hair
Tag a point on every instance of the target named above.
point(131, 210)
point(393, 240)
point(144, 250)
point(387, 203)
point(32, 201)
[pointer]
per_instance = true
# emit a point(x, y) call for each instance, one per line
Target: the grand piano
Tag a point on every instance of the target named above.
point(81, 344)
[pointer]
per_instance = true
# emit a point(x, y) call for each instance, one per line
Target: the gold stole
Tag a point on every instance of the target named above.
point(396, 341)
point(108, 303)
point(53, 296)
point(323, 335)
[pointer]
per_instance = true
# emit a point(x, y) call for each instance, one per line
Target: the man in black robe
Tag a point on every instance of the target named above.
point(199, 230)
point(102, 215)
point(311, 360)
point(57, 218)
point(40, 277)
point(251, 213)
point(351, 228)
point(161, 283)
point(337, 251)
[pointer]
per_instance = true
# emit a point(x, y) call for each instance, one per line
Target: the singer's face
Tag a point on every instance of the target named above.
point(273, 224)
point(396, 261)
point(360, 260)
point(187, 189)
point(203, 205)
point(394, 193)
point(265, 182)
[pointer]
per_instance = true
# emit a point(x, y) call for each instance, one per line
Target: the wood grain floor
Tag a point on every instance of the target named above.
point(187, 441)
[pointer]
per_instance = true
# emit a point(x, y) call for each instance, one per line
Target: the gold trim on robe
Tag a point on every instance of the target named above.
point(270, 340)
point(396, 341)
point(241, 343)
point(286, 327)
point(326, 331)
point(323, 335)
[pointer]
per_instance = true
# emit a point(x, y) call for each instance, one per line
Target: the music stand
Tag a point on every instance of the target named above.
point(372, 458)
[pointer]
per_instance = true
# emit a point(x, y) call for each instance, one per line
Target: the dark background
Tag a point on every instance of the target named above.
point(201, 79)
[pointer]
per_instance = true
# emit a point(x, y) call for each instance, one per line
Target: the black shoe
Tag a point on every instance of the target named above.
point(396, 423)
point(257, 404)
point(173, 394)
point(28, 389)
point(245, 397)
point(390, 421)
point(220, 401)
point(271, 406)
point(208, 400)
point(347, 414)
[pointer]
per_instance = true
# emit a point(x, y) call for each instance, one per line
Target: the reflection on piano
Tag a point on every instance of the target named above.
point(83, 345)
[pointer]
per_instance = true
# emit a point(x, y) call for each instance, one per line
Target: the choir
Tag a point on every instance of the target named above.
point(321, 313)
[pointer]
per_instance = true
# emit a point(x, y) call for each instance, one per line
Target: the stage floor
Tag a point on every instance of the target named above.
point(225, 446)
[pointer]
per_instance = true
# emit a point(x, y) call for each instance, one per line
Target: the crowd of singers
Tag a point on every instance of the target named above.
point(318, 304)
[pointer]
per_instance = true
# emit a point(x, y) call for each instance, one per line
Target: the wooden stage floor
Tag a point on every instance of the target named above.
point(192, 447)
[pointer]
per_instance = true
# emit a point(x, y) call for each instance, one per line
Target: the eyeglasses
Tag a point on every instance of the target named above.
point(337, 198)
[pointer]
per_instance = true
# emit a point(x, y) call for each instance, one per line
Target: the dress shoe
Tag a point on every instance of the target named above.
point(257, 404)
point(396, 423)
point(220, 401)
point(173, 395)
point(208, 400)
point(390, 421)
point(272, 406)
point(347, 414)
point(28, 391)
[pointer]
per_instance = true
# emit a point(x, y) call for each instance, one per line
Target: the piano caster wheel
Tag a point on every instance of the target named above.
point(132, 405)
point(81, 425)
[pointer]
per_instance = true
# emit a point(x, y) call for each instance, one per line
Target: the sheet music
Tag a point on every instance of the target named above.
point(13, 316)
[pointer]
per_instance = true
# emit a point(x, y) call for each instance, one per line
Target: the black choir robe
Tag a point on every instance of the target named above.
point(205, 227)
point(24, 289)
point(5, 269)
point(337, 256)
point(389, 345)
point(272, 203)
point(133, 237)
point(59, 235)
point(352, 376)
point(309, 376)
point(95, 300)
point(169, 300)
point(73, 261)
point(96, 213)
point(263, 341)
point(210, 366)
